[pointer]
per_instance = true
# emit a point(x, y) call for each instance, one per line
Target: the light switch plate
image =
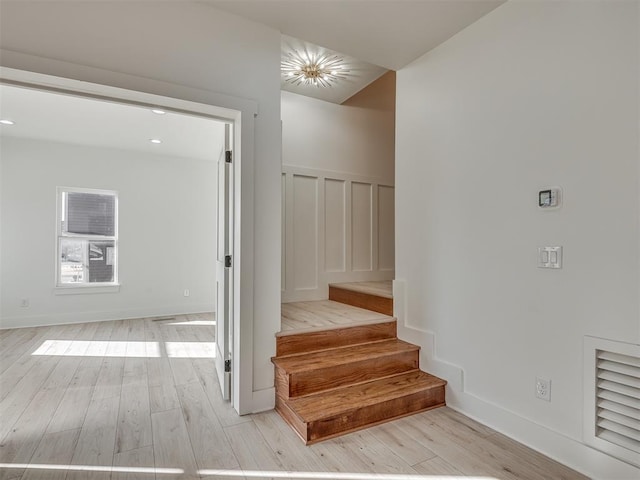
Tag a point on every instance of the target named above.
point(549, 257)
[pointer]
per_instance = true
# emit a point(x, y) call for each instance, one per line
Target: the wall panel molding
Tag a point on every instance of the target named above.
point(336, 228)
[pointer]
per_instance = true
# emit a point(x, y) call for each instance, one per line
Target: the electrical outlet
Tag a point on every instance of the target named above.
point(24, 302)
point(543, 389)
point(186, 292)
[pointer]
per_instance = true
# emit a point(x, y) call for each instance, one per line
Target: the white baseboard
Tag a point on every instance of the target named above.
point(82, 317)
point(264, 400)
point(568, 451)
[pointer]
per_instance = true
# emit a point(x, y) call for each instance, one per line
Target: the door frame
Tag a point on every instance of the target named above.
point(132, 90)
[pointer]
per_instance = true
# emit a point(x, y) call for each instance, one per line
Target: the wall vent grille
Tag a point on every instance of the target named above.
point(612, 398)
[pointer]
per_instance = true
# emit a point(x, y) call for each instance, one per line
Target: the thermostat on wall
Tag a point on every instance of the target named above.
point(550, 198)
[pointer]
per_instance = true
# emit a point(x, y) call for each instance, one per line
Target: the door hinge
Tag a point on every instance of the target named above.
point(228, 156)
point(227, 366)
point(227, 261)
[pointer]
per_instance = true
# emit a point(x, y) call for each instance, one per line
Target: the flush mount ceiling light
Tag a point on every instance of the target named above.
point(158, 111)
point(155, 140)
point(7, 122)
point(315, 69)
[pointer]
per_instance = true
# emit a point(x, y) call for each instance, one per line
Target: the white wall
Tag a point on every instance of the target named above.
point(188, 51)
point(337, 228)
point(356, 138)
point(338, 201)
point(534, 94)
point(167, 232)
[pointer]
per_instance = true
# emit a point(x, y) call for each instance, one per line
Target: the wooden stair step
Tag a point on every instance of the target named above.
point(350, 295)
point(322, 338)
point(328, 414)
point(298, 375)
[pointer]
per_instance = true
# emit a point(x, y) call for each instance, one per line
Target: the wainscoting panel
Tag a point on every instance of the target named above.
point(305, 232)
point(336, 228)
point(335, 237)
point(361, 226)
point(386, 222)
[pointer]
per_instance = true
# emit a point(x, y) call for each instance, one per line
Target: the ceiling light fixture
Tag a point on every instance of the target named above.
point(155, 140)
point(316, 69)
point(7, 122)
point(158, 111)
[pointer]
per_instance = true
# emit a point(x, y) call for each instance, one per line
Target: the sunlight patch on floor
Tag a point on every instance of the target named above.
point(191, 349)
point(193, 322)
point(95, 348)
point(241, 473)
point(333, 475)
point(92, 468)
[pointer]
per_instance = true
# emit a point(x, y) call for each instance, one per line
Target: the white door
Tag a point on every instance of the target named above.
point(224, 271)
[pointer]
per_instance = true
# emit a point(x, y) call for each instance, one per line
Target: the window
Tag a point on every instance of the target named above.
point(87, 237)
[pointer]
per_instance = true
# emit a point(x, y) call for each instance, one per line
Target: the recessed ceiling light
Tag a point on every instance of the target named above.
point(155, 140)
point(7, 122)
point(158, 111)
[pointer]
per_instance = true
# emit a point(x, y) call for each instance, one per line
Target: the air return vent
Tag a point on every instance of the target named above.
point(612, 398)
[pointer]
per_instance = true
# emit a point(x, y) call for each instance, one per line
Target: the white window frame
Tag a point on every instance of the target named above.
point(96, 287)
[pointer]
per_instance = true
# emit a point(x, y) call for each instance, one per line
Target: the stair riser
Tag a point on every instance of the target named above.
point(372, 415)
point(304, 383)
point(363, 300)
point(339, 337)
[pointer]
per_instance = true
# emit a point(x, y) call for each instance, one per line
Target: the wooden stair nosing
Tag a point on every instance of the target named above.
point(307, 382)
point(348, 398)
point(321, 359)
point(315, 339)
point(312, 374)
point(427, 393)
point(320, 431)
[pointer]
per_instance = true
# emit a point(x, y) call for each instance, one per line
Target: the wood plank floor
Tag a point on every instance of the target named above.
point(138, 399)
point(324, 313)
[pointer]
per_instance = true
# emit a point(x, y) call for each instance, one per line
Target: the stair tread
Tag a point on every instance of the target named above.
point(302, 332)
point(327, 404)
point(341, 355)
point(304, 342)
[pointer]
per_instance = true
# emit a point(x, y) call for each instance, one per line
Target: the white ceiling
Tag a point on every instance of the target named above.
point(388, 33)
point(76, 120)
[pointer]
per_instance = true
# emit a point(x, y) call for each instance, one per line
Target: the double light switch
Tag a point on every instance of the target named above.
point(550, 257)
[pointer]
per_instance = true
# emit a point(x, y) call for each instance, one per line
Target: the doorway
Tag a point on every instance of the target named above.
point(220, 116)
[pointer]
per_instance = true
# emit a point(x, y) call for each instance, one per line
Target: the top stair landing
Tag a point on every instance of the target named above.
point(324, 315)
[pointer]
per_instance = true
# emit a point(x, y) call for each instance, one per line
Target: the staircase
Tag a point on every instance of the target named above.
point(332, 381)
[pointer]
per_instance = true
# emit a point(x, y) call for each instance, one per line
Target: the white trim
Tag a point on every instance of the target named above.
point(72, 79)
point(47, 320)
point(88, 288)
point(568, 451)
point(589, 434)
point(264, 400)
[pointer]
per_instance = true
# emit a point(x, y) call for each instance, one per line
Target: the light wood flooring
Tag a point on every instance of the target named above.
point(138, 399)
point(324, 314)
